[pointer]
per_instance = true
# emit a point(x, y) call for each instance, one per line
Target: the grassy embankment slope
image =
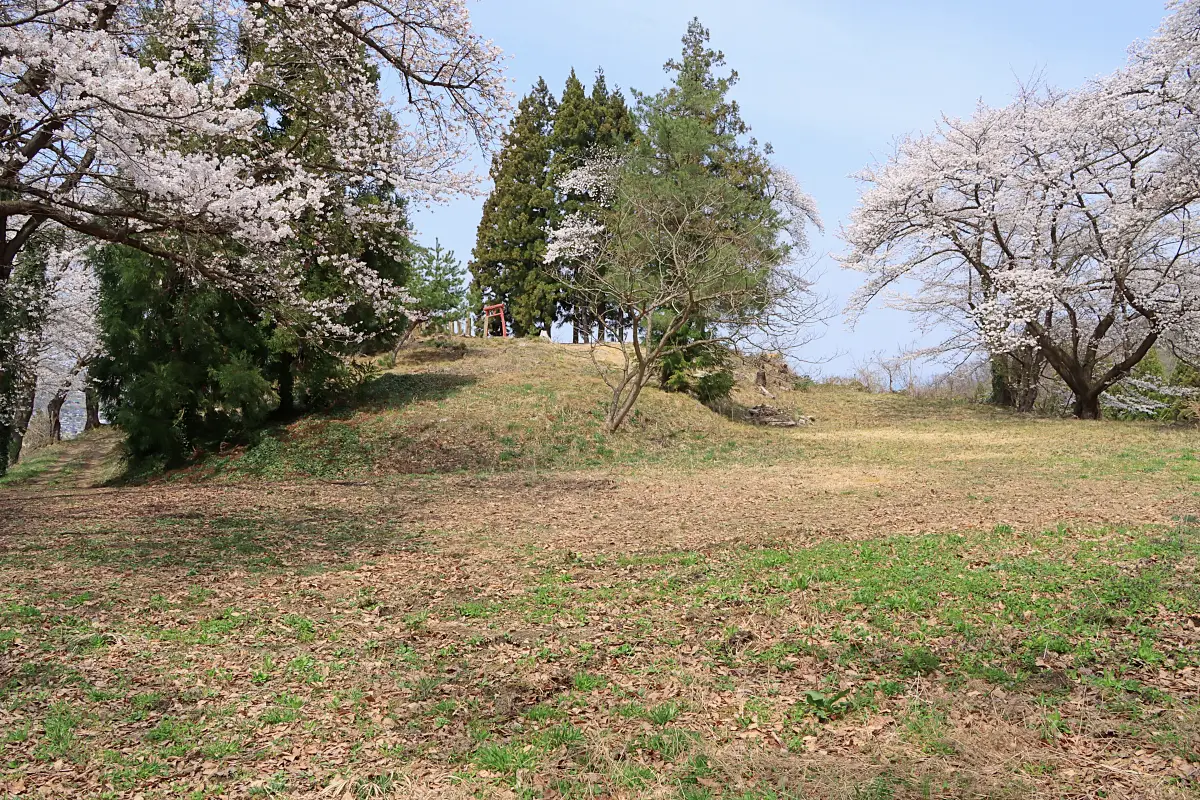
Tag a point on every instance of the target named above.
point(465, 588)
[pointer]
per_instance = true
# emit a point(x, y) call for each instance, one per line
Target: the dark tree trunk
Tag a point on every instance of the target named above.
point(1015, 380)
point(91, 400)
point(6, 431)
point(1027, 399)
point(1002, 394)
point(583, 327)
point(1087, 407)
point(54, 411)
point(21, 425)
point(287, 385)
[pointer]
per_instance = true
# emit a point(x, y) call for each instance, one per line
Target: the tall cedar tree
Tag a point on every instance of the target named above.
point(507, 264)
point(698, 93)
point(548, 139)
point(583, 125)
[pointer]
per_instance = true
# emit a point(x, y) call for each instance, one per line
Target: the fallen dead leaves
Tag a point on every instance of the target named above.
point(367, 638)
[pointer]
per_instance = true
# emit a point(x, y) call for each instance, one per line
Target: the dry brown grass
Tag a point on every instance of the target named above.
point(418, 620)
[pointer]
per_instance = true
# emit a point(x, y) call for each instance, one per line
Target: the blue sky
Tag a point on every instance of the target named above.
point(830, 83)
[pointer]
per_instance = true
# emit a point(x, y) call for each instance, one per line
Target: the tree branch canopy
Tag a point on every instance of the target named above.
point(1064, 222)
point(148, 123)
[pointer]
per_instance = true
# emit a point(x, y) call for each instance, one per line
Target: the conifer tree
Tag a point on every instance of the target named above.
point(700, 95)
point(691, 238)
point(583, 125)
point(507, 264)
point(548, 140)
point(615, 124)
point(616, 127)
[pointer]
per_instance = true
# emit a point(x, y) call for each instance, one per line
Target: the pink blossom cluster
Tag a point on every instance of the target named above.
point(158, 124)
point(1066, 220)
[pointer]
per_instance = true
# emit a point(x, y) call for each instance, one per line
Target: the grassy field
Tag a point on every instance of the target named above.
point(464, 588)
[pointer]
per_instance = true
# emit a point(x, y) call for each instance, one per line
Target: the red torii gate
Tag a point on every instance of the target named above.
point(490, 313)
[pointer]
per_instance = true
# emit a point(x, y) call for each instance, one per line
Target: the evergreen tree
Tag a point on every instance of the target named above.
point(437, 289)
point(698, 93)
point(700, 97)
point(548, 139)
point(507, 264)
point(583, 125)
point(693, 239)
point(615, 123)
point(437, 285)
point(185, 368)
point(616, 128)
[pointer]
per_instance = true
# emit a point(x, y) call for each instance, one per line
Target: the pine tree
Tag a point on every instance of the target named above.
point(436, 285)
point(507, 263)
point(692, 175)
point(699, 99)
point(698, 93)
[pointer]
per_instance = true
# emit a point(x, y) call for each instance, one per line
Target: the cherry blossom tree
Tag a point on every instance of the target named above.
point(202, 131)
point(69, 342)
point(56, 347)
point(1060, 227)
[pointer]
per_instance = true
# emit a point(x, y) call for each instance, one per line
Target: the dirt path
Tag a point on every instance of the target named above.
point(76, 465)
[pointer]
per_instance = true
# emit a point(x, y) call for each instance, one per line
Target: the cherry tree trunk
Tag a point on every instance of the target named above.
point(6, 431)
point(1087, 406)
point(20, 425)
point(1027, 399)
point(54, 411)
point(92, 402)
point(1002, 394)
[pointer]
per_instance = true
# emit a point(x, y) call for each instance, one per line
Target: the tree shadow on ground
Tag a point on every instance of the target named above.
point(392, 390)
point(317, 541)
point(339, 443)
point(435, 352)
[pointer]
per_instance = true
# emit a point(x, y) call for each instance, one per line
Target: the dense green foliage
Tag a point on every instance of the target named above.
point(697, 367)
point(548, 139)
point(193, 368)
point(507, 265)
point(585, 125)
point(694, 126)
point(186, 365)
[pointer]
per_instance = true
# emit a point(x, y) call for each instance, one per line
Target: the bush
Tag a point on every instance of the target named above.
point(703, 370)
